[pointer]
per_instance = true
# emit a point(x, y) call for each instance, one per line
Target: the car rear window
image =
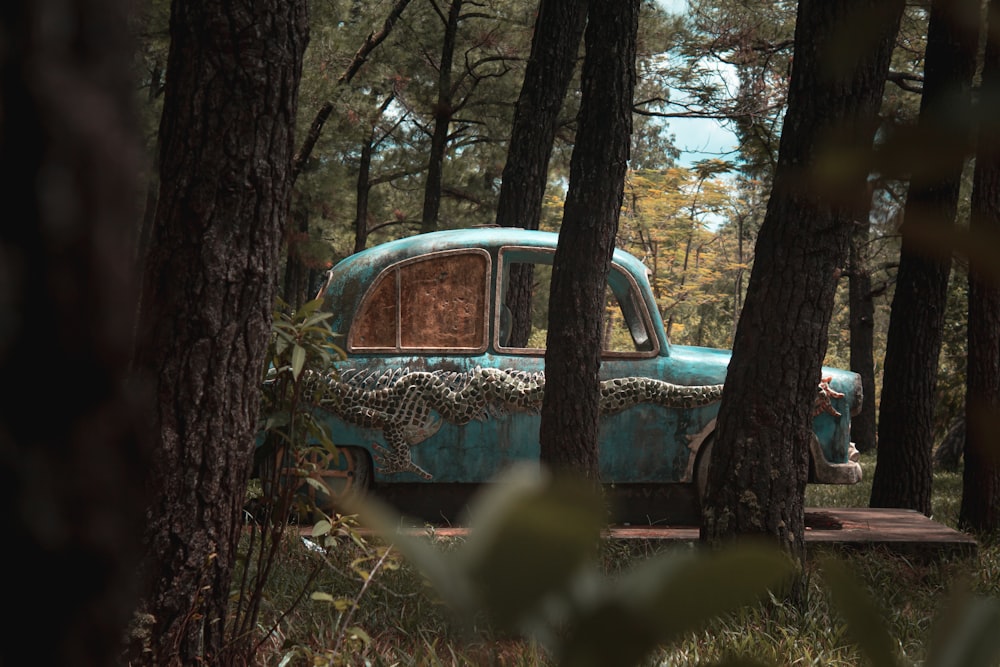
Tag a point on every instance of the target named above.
point(436, 302)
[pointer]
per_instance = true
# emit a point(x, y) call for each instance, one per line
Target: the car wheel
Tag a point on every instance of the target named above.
point(701, 467)
point(347, 476)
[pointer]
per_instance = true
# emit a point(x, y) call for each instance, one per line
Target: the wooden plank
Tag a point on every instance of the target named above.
point(897, 530)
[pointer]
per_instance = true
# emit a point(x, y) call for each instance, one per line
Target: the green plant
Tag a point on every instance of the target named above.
point(536, 583)
point(300, 342)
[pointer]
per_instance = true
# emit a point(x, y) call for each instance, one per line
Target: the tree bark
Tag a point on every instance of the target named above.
point(904, 470)
point(72, 445)
point(862, 325)
point(226, 173)
point(554, 48)
point(570, 410)
point(758, 470)
point(980, 509)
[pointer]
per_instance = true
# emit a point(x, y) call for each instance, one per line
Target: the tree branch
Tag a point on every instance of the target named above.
point(316, 128)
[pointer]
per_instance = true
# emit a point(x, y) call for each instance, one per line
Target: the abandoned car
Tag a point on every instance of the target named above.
point(437, 395)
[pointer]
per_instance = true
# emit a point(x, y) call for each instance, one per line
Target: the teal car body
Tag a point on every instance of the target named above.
point(434, 394)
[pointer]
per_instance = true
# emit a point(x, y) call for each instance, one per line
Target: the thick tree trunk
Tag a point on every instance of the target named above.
point(554, 47)
point(862, 324)
point(980, 508)
point(904, 471)
point(226, 174)
point(570, 411)
point(758, 470)
point(72, 451)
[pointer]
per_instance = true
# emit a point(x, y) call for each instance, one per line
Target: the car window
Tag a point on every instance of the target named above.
point(626, 327)
point(437, 302)
point(625, 330)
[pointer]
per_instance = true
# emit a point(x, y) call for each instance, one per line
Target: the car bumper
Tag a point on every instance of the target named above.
point(824, 472)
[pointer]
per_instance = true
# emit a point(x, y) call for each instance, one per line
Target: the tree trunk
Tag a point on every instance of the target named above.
point(681, 296)
point(442, 119)
point(738, 282)
point(295, 286)
point(904, 471)
point(980, 508)
point(554, 47)
point(948, 454)
point(862, 325)
point(362, 192)
point(72, 451)
point(758, 470)
point(570, 410)
point(226, 155)
point(365, 182)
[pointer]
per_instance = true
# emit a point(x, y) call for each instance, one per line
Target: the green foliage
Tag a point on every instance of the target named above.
point(300, 341)
point(965, 635)
point(391, 104)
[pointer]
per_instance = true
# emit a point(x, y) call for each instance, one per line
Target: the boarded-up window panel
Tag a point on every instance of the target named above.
point(443, 302)
point(376, 325)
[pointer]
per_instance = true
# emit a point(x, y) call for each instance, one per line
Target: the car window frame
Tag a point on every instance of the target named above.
point(620, 281)
point(398, 349)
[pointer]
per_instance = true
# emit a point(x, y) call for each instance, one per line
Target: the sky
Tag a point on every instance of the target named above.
point(701, 139)
point(697, 138)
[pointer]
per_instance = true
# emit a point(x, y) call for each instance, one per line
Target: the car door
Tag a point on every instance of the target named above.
point(647, 433)
point(421, 358)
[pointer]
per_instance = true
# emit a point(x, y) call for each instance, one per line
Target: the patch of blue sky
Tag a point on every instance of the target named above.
point(701, 138)
point(673, 6)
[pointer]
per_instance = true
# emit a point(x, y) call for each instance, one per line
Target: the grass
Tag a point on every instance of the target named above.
point(374, 609)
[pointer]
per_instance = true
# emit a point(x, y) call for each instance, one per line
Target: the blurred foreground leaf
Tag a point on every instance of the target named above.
point(530, 536)
point(530, 562)
point(437, 566)
point(968, 634)
point(865, 622)
point(663, 599)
